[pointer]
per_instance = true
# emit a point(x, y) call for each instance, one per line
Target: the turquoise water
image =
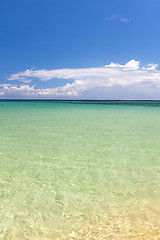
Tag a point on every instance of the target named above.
point(79, 170)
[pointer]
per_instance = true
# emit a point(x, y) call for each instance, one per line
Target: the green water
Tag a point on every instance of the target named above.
point(79, 170)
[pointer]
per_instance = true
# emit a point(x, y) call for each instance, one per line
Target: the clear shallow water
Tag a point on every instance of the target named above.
point(79, 170)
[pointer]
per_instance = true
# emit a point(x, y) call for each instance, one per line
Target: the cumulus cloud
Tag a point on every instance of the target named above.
point(24, 90)
point(117, 17)
point(151, 66)
point(111, 81)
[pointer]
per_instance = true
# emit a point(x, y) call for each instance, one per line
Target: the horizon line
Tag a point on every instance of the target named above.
point(23, 99)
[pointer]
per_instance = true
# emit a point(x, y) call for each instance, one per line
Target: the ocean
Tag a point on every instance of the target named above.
point(79, 170)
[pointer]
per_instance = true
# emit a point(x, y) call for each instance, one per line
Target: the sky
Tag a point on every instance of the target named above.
point(80, 49)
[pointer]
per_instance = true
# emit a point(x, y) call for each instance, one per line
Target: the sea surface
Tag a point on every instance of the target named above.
point(79, 170)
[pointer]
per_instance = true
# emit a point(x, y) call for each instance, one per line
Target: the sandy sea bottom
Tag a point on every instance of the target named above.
point(137, 223)
point(79, 171)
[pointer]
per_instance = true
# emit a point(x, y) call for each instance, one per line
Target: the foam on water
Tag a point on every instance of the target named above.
point(79, 171)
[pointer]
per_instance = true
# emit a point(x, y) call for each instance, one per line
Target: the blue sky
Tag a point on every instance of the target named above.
point(81, 36)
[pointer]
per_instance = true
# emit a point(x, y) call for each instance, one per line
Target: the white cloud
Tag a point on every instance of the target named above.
point(125, 20)
point(151, 66)
point(131, 65)
point(113, 17)
point(24, 90)
point(117, 17)
point(110, 81)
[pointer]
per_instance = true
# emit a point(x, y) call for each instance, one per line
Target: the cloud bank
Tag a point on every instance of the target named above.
point(113, 81)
